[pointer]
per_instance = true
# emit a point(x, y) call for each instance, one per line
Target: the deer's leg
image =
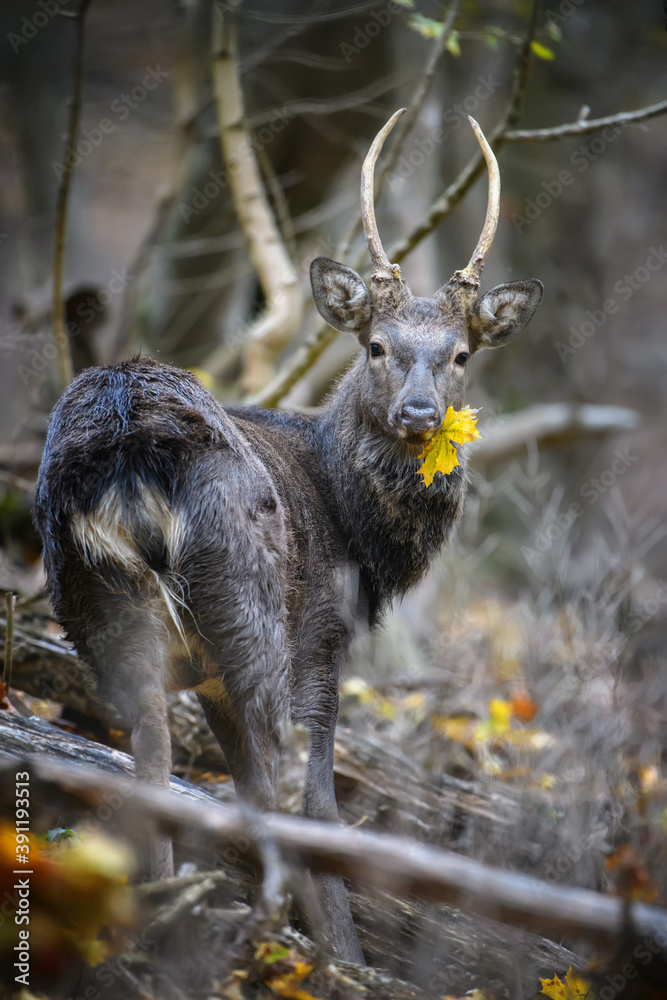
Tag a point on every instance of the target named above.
point(124, 639)
point(320, 803)
point(252, 758)
point(318, 710)
point(151, 747)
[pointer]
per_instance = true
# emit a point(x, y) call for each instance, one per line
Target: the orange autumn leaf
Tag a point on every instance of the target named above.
point(523, 707)
point(440, 455)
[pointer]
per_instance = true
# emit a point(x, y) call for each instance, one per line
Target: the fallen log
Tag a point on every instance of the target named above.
point(427, 943)
point(383, 860)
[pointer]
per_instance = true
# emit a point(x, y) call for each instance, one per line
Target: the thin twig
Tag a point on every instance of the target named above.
point(416, 102)
point(9, 638)
point(280, 206)
point(330, 105)
point(64, 355)
point(583, 126)
point(408, 120)
point(457, 190)
point(307, 19)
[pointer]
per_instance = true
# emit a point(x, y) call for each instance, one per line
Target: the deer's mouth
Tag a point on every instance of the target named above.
point(413, 437)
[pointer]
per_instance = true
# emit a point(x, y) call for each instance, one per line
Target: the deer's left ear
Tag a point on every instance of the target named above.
point(503, 312)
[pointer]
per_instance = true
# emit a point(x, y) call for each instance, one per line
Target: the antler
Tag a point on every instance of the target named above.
point(470, 275)
point(381, 265)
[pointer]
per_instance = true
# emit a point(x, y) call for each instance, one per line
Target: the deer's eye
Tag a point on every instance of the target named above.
point(461, 358)
point(377, 350)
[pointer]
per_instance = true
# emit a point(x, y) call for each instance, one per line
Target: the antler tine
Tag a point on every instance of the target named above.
point(470, 275)
point(381, 265)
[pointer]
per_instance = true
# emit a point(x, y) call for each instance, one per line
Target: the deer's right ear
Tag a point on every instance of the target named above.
point(340, 296)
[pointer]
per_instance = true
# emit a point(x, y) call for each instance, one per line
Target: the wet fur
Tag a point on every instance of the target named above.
point(234, 551)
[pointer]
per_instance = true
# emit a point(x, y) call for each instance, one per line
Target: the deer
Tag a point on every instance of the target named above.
point(240, 548)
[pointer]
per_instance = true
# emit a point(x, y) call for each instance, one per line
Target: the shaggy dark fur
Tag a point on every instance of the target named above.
point(234, 550)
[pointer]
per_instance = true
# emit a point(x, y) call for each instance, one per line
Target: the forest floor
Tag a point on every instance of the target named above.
point(527, 742)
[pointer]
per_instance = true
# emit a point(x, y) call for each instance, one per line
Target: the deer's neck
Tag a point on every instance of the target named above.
point(394, 524)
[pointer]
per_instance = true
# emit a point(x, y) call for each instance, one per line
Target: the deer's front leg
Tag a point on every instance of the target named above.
point(317, 708)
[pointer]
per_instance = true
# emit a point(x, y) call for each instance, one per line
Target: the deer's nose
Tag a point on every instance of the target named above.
point(418, 414)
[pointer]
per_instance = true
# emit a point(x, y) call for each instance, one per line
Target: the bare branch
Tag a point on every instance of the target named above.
point(583, 126)
point(280, 283)
point(457, 190)
point(404, 867)
point(412, 111)
point(330, 105)
point(280, 206)
point(64, 355)
point(300, 362)
point(307, 19)
point(9, 638)
point(551, 424)
point(422, 87)
point(521, 72)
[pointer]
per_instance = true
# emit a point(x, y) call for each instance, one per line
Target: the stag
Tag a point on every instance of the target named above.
point(241, 548)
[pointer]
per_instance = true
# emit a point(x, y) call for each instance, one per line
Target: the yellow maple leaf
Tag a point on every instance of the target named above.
point(574, 987)
point(439, 454)
point(288, 985)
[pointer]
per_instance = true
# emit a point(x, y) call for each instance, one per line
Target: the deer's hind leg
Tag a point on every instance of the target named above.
point(123, 636)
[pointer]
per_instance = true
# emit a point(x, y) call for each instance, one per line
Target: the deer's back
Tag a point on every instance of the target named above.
point(143, 467)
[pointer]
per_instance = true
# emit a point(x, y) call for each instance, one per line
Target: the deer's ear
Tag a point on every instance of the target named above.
point(503, 312)
point(340, 296)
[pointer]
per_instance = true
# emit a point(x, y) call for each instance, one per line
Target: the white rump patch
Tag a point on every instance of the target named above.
point(106, 533)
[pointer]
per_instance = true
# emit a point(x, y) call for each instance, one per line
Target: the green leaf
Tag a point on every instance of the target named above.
point(492, 42)
point(426, 26)
point(277, 952)
point(452, 44)
point(406, 3)
point(60, 833)
point(541, 51)
point(555, 32)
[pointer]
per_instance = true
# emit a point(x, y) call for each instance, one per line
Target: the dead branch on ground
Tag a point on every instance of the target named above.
point(383, 860)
